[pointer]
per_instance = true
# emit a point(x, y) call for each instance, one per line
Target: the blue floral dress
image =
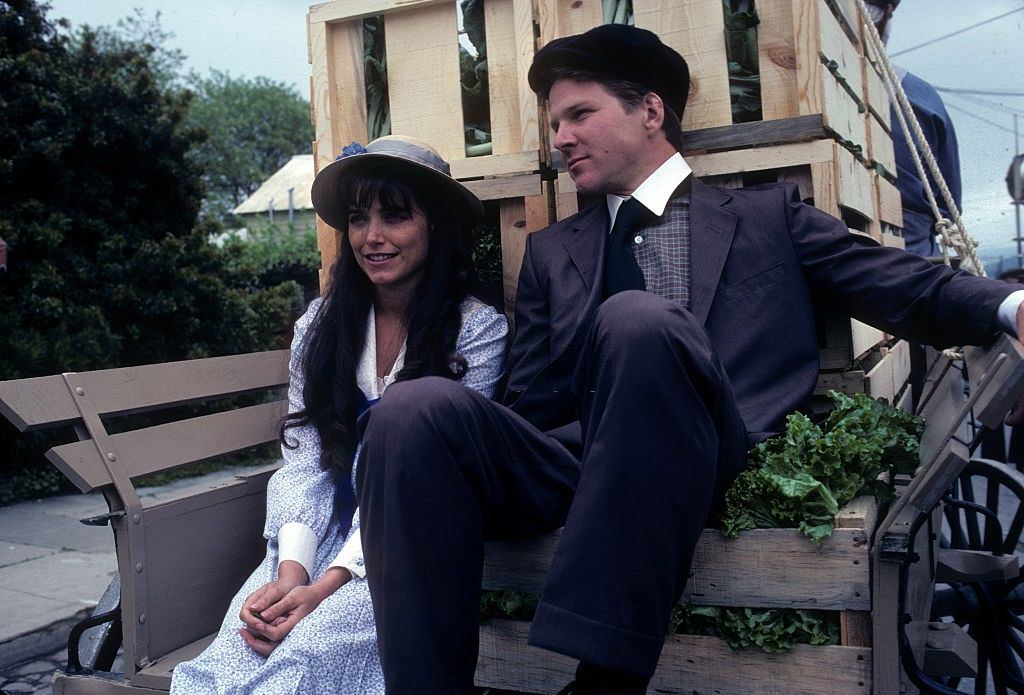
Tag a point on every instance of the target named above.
point(333, 650)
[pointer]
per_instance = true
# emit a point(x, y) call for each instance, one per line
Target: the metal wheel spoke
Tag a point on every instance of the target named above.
point(1014, 531)
point(993, 485)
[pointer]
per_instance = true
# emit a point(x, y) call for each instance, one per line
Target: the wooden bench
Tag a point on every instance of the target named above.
point(181, 561)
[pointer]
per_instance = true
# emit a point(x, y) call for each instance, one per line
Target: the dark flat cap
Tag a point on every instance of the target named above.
point(617, 52)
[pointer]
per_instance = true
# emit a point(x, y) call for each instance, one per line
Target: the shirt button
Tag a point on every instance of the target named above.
point(638, 240)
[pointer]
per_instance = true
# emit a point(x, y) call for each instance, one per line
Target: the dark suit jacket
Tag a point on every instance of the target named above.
point(758, 257)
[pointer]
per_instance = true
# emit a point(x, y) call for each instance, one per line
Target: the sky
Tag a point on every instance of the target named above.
point(250, 38)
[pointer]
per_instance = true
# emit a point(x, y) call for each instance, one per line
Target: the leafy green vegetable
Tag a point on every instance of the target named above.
point(773, 630)
point(741, 22)
point(802, 477)
point(507, 604)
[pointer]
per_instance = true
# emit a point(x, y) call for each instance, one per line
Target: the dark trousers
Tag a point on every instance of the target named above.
point(444, 469)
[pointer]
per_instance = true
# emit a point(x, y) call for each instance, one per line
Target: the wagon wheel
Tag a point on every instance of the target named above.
point(986, 512)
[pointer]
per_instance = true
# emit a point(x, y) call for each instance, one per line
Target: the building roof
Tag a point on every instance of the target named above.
point(297, 173)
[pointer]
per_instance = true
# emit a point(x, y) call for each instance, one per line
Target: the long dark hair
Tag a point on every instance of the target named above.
point(335, 338)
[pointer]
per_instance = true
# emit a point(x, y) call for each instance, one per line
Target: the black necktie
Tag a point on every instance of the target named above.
point(621, 271)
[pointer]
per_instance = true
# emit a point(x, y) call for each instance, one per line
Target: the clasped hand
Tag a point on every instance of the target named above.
point(270, 612)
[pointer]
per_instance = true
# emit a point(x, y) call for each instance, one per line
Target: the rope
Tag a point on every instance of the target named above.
point(952, 234)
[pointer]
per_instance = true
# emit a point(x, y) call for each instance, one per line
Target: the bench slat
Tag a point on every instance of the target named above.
point(689, 664)
point(44, 401)
point(174, 444)
point(764, 568)
point(199, 550)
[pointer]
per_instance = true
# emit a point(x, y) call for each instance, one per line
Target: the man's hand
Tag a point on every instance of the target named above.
point(1016, 415)
point(270, 614)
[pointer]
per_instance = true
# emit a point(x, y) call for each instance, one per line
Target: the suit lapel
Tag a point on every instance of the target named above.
point(711, 232)
point(585, 245)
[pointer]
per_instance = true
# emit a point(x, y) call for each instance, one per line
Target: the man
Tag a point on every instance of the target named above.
point(918, 219)
point(647, 360)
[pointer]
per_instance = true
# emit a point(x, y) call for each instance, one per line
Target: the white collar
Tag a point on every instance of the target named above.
point(656, 190)
point(367, 380)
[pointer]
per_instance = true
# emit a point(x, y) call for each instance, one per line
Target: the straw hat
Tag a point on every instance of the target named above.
point(403, 151)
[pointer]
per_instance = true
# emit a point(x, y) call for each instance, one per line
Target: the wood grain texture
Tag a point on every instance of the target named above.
point(495, 165)
point(690, 665)
point(848, 382)
point(888, 378)
point(768, 568)
point(509, 25)
point(762, 158)
point(558, 18)
point(171, 445)
point(854, 184)
point(880, 148)
point(423, 77)
point(519, 217)
point(696, 29)
point(890, 207)
point(505, 186)
point(876, 96)
point(855, 628)
point(776, 52)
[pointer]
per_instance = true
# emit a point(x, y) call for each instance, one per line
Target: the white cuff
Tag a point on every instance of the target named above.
point(351, 556)
point(296, 541)
point(1008, 312)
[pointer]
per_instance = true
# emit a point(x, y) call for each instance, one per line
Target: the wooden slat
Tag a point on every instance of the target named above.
point(158, 674)
point(1006, 376)
point(199, 551)
point(791, 570)
point(849, 18)
point(854, 184)
point(837, 47)
point(817, 89)
point(168, 446)
point(558, 18)
point(888, 378)
point(860, 513)
point(855, 628)
point(509, 25)
point(880, 149)
point(496, 165)
point(876, 97)
point(864, 337)
point(719, 163)
point(696, 29)
point(344, 10)
point(890, 207)
point(755, 134)
point(423, 77)
point(505, 187)
point(519, 217)
point(689, 664)
point(776, 53)
point(848, 382)
point(42, 402)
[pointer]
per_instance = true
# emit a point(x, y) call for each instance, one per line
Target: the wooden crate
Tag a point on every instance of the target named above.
point(763, 568)
point(797, 40)
point(424, 90)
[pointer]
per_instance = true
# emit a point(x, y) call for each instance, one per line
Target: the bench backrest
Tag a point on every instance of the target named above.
point(180, 560)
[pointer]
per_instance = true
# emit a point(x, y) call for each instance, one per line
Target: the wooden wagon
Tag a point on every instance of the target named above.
point(824, 126)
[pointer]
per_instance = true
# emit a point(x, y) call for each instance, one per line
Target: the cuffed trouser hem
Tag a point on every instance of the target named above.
point(594, 642)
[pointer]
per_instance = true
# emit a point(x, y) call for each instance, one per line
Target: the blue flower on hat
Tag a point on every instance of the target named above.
point(351, 149)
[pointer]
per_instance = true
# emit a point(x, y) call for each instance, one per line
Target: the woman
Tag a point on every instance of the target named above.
point(398, 307)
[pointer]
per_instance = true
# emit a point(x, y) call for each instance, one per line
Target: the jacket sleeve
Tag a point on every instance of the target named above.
point(531, 348)
point(300, 496)
point(891, 289)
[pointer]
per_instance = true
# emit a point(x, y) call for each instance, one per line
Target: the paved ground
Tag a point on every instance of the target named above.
point(53, 570)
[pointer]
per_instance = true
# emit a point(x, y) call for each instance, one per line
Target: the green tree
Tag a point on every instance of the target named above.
point(254, 126)
point(98, 203)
